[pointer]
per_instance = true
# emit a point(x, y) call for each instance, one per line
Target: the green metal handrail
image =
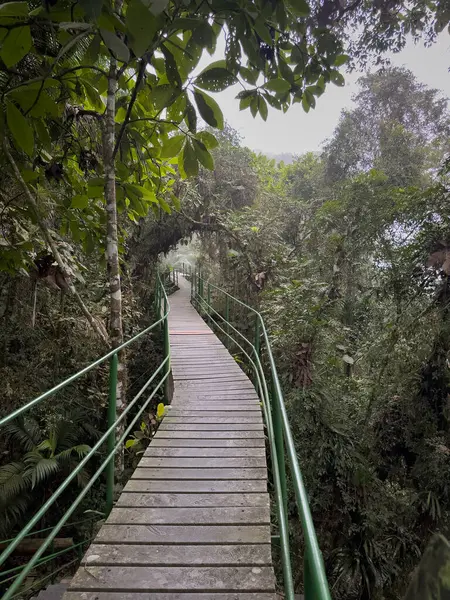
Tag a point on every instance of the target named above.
point(113, 439)
point(279, 435)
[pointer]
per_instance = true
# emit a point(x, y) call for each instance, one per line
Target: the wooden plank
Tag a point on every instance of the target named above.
point(168, 596)
point(193, 486)
point(193, 522)
point(170, 500)
point(182, 555)
point(196, 408)
point(204, 452)
point(183, 534)
point(171, 442)
point(214, 474)
point(211, 427)
point(206, 579)
point(226, 435)
point(198, 463)
point(215, 418)
point(190, 516)
point(219, 377)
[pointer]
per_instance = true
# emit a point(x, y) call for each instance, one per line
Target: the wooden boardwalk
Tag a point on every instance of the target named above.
point(193, 522)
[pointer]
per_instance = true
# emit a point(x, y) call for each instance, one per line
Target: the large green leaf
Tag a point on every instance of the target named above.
point(262, 107)
point(215, 77)
point(93, 95)
point(173, 146)
point(191, 117)
point(337, 78)
point(16, 45)
point(20, 128)
point(171, 68)
point(118, 49)
point(262, 31)
point(300, 7)
point(80, 201)
point(189, 160)
point(208, 139)
point(141, 25)
point(14, 9)
point(203, 155)
point(278, 85)
point(92, 8)
point(208, 109)
point(157, 6)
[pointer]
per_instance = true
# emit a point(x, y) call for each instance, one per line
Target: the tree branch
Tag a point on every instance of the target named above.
point(139, 79)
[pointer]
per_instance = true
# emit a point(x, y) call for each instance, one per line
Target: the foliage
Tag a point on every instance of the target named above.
point(42, 460)
point(352, 276)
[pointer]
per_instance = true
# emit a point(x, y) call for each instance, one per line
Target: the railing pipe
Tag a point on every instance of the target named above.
point(110, 471)
point(16, 585)
point(166, 351)
point(316, 568)
point(80, 373)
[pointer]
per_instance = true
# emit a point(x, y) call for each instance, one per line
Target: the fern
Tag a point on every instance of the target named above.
point(25, 433)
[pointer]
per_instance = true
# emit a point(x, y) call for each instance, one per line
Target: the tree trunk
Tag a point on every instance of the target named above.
point(112, 244)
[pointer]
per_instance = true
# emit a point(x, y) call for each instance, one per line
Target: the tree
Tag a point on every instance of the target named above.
point(398, 126)
point(120, 76)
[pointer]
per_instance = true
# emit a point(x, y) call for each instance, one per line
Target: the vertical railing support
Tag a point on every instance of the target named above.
point(257, 346)
point(166, 352)
point(209, 304)
point(110, 479)
point(227, 316)
point(279, 444)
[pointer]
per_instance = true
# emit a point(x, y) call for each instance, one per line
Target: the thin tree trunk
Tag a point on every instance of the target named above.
point(96, 325)
point(112, 244)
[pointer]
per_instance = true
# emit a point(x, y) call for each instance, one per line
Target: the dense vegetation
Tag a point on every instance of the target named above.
point(109, 138)
point(347, 255)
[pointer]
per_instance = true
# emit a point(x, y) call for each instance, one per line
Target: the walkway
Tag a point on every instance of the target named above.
point(193, 522)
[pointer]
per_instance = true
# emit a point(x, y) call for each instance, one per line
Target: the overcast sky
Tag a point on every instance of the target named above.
point(298, 132)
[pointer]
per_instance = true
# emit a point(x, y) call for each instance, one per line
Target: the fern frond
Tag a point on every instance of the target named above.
point(25, 433)
point(13, 480)
point(39, 468)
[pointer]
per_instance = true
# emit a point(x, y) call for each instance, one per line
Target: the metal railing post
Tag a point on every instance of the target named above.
point(209, 303)
point(279, 443)
point(227, 313)
point(166, 353)
point(110, 474)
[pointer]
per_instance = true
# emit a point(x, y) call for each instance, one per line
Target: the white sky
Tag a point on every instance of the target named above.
point(298, 132)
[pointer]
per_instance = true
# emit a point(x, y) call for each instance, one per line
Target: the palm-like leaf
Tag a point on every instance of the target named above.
point(12, 481)
point(26, 433)
point(39, 468)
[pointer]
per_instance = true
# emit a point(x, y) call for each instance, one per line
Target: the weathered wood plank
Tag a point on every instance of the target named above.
point(167, 442)
point(168, 596)
point(170, 500)
point(183, 534)
point(205, 452)
point(196, 408)
point(196, 486)
point(193, 522)
point(182, 555)
point(213, 474)
point(226, 435)
point(214, 418)
point(211, 426)
point(198, 463)
point(206, 579)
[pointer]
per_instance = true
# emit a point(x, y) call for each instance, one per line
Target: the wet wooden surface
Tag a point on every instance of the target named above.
point(193, 522)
